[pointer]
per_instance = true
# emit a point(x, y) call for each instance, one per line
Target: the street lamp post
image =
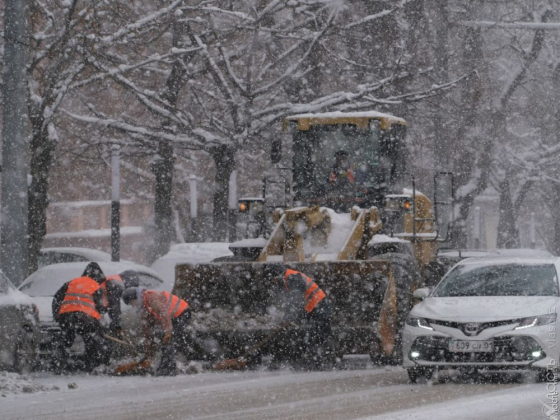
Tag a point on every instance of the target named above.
point(115, 203)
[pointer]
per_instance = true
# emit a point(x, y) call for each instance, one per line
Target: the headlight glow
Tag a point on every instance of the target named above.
point(536, 321)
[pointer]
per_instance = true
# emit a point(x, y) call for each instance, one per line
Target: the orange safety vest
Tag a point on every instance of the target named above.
point(174, 304)
point(79, 297)
point(313, 294)
point(116, 278)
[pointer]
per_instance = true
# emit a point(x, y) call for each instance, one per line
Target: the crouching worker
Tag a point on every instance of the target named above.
point(307, 306)
point(77, 307)
point(168, 311)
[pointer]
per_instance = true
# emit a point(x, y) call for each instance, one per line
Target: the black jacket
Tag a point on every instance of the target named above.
point(114, 294)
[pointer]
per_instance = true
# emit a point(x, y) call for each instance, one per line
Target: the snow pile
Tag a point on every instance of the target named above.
point(250, 243)
point(13, 383)
point(14, 298)
point(341, 227)
point(220, 319)
point(379, 238)
point(189, 253)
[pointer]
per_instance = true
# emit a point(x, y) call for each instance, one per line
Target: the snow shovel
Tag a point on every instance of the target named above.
point(134, 368)
point(239, 363)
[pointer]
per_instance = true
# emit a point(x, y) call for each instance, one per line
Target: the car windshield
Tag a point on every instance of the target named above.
point(499, 280)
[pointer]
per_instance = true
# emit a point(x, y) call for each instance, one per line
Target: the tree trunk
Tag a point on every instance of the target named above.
point(162, 168)
point(224, 159)
point(42, 155)
point(14, 220)
point(508, 234)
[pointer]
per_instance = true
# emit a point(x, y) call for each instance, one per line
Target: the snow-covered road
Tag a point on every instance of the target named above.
point(349, 394)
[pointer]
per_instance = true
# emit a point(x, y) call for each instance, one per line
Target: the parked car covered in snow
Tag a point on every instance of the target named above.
point(486, 314)
point(42, 285)
point(59, 255)
point(19, 319)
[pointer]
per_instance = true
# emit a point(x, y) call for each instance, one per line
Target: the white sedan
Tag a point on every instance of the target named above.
point(486, 315)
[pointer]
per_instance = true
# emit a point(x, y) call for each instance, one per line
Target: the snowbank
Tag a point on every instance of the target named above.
point(13, 383)
point(14, 298)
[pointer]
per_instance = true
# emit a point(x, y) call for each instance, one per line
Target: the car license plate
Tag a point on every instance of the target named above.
point(465, 346)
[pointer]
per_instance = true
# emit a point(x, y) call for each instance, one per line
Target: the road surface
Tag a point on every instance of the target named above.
point(359, 393)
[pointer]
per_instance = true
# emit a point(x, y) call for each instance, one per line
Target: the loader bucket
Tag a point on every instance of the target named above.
point(369, 305)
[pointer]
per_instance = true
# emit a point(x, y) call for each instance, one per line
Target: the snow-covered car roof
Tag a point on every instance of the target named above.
point(510, 260)
point(89, 253)
point(494, 253)
point(47, 280)
point(197, 252)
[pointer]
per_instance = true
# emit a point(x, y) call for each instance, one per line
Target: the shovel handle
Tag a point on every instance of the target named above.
point(118, 340)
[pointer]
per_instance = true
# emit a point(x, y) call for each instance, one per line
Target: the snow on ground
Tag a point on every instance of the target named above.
point(189, 253)
point(358, 392)
point(520, 403)
point(13, 383)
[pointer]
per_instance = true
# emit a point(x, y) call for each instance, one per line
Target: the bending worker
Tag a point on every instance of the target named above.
point(77, 307)
point(307, 305)
point(170, 312)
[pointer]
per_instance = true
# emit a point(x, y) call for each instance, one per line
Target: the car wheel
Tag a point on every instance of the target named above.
point(25, 352)
point(419, 375)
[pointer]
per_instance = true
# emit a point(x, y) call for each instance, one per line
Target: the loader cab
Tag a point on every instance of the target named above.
point(346, 159)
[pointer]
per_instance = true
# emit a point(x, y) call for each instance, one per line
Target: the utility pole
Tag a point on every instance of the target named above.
point(194, 208)
point(533, 230)
point(476, 227)
point(115, 203)
point(232, 205)
point(13, 213)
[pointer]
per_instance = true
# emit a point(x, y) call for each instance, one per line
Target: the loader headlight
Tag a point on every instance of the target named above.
point(419, 322)
point(536, 321)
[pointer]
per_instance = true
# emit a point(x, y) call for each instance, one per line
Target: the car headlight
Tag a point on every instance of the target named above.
point(536, 321)
point(419, 322)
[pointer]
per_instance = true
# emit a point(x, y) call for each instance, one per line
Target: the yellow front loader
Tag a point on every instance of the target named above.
point(368, 241)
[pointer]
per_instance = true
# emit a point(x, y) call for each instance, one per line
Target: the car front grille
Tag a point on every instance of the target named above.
point(479, 326)
point(507, 349)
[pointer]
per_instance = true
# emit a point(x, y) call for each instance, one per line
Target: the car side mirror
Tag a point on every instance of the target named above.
point(421, 293)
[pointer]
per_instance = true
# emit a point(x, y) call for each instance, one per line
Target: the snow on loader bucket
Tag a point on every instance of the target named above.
point(235, 306)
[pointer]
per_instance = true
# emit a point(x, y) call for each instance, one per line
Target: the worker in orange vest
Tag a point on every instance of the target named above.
point(342, 172)
point(305, 304)
point(77, 307)
point(168, 311)
point(111, 291)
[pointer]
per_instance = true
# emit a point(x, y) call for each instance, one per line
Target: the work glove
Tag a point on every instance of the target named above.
point(167, 338)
